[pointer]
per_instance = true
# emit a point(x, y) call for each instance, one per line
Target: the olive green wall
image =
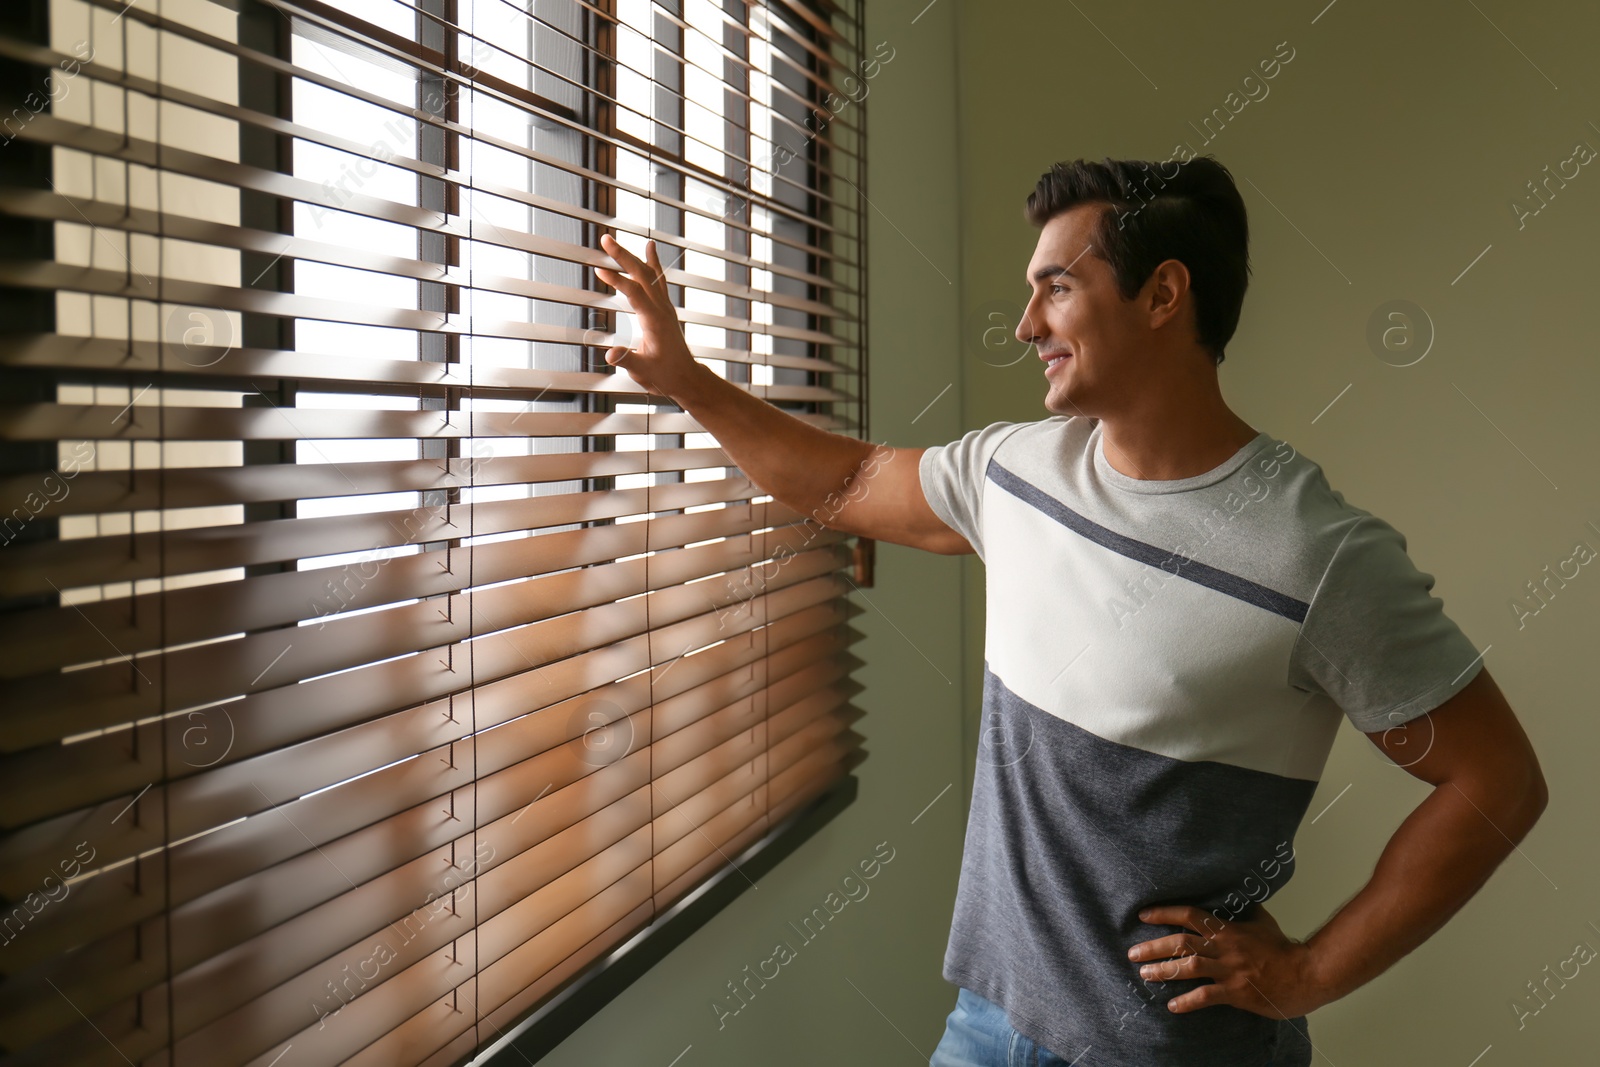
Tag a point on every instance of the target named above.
point(867, 989)
point(1377, 165)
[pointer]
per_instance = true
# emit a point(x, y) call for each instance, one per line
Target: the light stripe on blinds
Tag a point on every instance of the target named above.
point(376, 657)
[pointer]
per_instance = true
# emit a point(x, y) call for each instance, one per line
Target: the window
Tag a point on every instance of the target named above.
point(387, 677)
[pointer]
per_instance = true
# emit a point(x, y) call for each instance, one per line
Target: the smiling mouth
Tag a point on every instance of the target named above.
point(1054, 361)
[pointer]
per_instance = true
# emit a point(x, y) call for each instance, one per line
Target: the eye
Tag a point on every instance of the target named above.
point(1058, 288)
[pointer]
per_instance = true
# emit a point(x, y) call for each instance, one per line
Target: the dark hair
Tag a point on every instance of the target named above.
point(1189, 211)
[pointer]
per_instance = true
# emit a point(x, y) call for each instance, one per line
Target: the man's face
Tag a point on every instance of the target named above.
point(1076, 312)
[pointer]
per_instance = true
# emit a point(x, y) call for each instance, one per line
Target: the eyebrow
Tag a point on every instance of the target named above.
point(1052, 271)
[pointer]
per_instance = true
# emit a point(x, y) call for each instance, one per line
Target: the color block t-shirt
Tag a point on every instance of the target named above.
point(1167, 664)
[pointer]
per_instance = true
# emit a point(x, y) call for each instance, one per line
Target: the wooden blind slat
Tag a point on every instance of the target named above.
point(357, 560)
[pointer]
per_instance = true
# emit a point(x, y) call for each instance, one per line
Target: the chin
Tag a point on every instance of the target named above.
point(1058, 403)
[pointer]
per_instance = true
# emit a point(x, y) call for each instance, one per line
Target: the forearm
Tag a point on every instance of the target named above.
point(801, 465)
point(1439, 857)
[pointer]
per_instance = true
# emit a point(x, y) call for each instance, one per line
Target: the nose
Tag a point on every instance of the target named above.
point(1027, 332)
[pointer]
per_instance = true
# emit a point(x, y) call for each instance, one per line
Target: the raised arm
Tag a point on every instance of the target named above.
point(842, 482)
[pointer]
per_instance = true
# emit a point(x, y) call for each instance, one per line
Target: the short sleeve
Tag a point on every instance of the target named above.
point(1375, 640)
point(953, 475)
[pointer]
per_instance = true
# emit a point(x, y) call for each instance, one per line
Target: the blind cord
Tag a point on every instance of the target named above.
point(649, 527)
point(467, 351)
point(161, 496)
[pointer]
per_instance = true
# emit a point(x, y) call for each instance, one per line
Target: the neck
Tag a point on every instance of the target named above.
point(1175, 433)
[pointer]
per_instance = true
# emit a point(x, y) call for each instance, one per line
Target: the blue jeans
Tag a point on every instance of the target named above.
point(978, 1034)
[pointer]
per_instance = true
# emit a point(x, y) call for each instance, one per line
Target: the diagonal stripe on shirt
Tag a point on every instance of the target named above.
point(1199, 573)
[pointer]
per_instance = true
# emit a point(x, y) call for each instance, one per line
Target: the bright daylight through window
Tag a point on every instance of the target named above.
point(379, 660)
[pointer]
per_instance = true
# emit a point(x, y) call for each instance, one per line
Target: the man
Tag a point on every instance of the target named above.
point(1180, 610)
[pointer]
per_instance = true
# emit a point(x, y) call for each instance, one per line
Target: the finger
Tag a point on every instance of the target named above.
point(1176, 915)
point(616, 355)
point(628, 261)
point(1204, 997)
point(1172, 945)
point(1166, 970)
point(1184, 967)
point(657, 275)
point(632, 290)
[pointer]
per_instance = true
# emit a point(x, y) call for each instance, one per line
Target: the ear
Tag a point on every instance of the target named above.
point(1165, 291)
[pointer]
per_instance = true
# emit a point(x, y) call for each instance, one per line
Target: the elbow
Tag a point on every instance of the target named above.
point(1511, 796)
point(1541, 793)
point(1534, 797)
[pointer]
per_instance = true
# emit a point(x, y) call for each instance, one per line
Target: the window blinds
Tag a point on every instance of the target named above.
point(376, 657)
